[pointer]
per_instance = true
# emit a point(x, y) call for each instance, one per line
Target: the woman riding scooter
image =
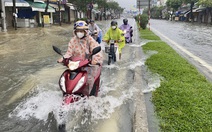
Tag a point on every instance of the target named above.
point(95, 31)
point(115, 33)
point(80, 45)
point(128, 30)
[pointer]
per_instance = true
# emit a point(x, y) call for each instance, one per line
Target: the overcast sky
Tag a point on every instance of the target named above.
point(127, 4)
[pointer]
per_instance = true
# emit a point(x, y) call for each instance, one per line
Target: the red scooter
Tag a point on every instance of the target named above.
point(73, 81)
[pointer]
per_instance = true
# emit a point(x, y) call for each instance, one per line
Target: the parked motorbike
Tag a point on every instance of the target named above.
point(112, 51)
point(73, 81)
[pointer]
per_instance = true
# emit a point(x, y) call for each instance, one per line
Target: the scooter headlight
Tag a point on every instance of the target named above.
point(79, 84)
point(73, 65)
point(112, 41)
point(62, 83)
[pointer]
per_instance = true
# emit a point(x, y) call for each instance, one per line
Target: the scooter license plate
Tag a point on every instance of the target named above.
point(112, 41)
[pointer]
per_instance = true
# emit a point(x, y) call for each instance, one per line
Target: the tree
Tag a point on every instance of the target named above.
point(175, 4)
point(156, 12)
point(80, 5)
point(207, 3)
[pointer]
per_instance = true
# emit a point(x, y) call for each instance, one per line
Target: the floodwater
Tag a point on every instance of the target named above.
point(30, 97)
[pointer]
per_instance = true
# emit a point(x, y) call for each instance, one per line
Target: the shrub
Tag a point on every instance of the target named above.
point(143, 20)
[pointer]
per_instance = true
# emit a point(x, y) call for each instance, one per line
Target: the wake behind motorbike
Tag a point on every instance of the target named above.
point(112, 51)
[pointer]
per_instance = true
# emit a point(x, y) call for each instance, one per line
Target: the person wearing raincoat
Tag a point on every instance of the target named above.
point(83, 43)
point(115, 33)
point(127, 28)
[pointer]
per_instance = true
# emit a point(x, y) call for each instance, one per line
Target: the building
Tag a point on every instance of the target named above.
point(32, 13)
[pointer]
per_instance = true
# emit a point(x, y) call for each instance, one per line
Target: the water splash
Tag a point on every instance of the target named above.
point(153, 82)
point(39, 105)
point(44, 101)
point(126, 65)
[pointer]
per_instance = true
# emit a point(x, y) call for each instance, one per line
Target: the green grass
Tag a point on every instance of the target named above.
point(183, 102)
point(146, 34)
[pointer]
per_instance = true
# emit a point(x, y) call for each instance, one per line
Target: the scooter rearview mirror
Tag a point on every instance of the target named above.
point(57, 50)
point(96, 50)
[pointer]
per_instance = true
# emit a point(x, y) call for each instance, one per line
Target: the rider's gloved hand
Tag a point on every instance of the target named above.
point(94, 62)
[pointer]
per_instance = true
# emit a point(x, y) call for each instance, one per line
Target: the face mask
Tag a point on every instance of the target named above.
point(80, 34)
point(113, 27)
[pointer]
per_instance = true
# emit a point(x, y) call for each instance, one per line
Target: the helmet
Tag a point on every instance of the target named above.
point(87, 21)
point(114, 23)
point(80, 25)
point(91, 20)
point(125, 21)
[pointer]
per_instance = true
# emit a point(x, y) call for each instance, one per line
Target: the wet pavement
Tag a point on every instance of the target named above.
point(191, 40)
point(30, 96)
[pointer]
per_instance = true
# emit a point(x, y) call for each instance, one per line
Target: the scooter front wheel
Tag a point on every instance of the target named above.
point(109, 60)
point(93, 91)
point(62, 128)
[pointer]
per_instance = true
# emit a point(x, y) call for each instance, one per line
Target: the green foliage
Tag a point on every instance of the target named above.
point(102, 3)
point(142, 20)
point(175, 4)
point(207, 3)
point(83, 19)
point(81, 5)
point(189, 1)
point(183, 102)
point(156, 12)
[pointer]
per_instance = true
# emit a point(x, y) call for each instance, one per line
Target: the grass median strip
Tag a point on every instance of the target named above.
point(183, 102)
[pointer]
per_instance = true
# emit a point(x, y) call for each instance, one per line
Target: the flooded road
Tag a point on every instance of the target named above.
point(192, 41)
point(30, 96)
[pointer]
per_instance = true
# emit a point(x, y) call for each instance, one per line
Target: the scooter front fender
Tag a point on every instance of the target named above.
point(68, 99)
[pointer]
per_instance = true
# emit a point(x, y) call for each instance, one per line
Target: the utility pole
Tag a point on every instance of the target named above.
point(139, 17)
point(149, 13)
point(59, 12)
point(191, 16)
point(3, 22)
point(14, 15)
point(91, 7)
